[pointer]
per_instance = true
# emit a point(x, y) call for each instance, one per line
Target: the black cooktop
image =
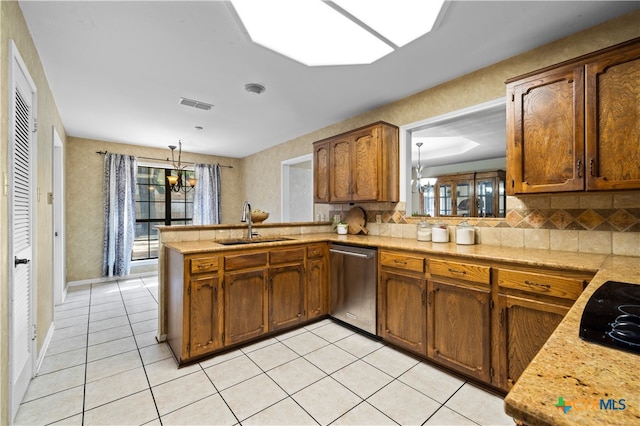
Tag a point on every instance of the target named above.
point(612, 316)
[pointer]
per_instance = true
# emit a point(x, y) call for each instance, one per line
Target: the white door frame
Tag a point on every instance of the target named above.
point(18, 381)
point(59, 262)
point(285, 183)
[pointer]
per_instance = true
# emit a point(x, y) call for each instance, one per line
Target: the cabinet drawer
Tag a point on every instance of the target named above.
point(204, 264)
point(243, 261)
point(464, 271)
point(315, 250)
point(550, 285)
point(286, 255)
point(404, 261)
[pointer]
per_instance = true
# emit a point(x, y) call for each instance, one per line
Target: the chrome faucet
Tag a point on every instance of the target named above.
point(247, 218)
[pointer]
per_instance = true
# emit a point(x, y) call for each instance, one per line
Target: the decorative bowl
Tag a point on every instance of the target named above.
point(259, 217)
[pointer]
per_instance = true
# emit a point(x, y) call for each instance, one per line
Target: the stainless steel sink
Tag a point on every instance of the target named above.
point(237, 241)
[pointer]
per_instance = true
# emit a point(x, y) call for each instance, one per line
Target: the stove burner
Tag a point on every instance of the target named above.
point(611, 317)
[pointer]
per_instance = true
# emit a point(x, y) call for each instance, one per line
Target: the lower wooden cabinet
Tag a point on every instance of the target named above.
point(205, 300)
point(317, 281)
point(524, 327)
point(460, 328)
point(286, 296)
point(245, 305)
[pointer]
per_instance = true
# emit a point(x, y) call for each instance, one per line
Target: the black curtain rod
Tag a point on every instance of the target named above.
point(167, 159)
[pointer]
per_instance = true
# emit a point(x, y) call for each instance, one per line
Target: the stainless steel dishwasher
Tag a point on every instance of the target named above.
point(353, 285)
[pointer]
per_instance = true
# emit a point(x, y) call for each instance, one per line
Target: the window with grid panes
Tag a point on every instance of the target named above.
point(157, 204)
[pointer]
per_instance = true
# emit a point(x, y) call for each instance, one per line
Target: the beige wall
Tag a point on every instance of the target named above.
point(262, 170)
point(84, 200)
point(13, 26)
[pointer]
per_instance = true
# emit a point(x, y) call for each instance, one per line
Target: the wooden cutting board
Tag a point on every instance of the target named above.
point(356, 219)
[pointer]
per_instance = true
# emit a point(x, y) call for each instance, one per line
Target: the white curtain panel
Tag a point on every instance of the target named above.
point(119, 188)
point(206, 197)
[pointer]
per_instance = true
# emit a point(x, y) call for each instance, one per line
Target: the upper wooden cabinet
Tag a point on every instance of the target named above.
point(361, 165)
point(575, 126)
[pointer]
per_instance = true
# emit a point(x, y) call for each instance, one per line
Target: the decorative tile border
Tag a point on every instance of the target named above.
point(578, 219)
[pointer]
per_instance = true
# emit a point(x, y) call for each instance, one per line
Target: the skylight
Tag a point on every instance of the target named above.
point(342, 32)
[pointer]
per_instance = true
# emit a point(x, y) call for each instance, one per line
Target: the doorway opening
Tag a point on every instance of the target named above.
point(297, 189)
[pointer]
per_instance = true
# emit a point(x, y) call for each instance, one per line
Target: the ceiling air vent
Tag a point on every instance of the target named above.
point(195, 104)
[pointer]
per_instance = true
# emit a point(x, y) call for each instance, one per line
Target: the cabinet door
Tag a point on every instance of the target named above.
point(613, 120)
point(321, 172)
point(459, 325)
point(245, 307)
point(545, 132)
point(402, 316)
point(286, 296)
point(317, 287)
point(524, 327)
point(366, 168)
point(205, 315)
point(340, 166)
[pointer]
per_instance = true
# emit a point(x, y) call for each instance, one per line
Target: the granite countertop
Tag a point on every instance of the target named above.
point(566, 366)
point(532, 257)
point(580, 372)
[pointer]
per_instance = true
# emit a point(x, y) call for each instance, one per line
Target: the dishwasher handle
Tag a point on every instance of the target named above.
point(351, 253)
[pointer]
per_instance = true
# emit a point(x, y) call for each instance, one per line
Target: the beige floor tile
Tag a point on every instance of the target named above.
point(296, 375)
point(146, 339)
point(154, 353)
point(290, 334)
point(249, 397)
point(102, 325)
point(258, 345)
point(109, 334)
point(208, 411)
point(72, 304)
point(72, 313)
point(105, 367)
point(272, 356)
point(70, 421)
point(332, 332)
point(403, 404)
point(101, 299)
point(217, 359)
point(445, 416)
point(479, 406)
point(361, 378)
point(145, 326)
point(391, 361)
point(432, 382)
point(105, 307)
point(318, 324)
point(304, 343)
point(359, 345)
point(166, 370)
point(364, 414)
point(143, 316)
point(113, 347)
point(46, 384)
point(51, 363)
point(103, 315)
point(285, 412)
point(51, 408)
point(66, 345)
point(326, 400)
point(114, 387)
point(134, 409)
point(148, 306)
point(330, 358)
point(232, 372)
point(182, 391)
point(71, 322)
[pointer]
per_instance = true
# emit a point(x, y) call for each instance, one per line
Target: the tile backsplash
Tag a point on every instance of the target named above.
point(587, 222)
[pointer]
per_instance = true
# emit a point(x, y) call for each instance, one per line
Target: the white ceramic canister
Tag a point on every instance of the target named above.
point(465, 234)
point(424, 232)
point(439, 233)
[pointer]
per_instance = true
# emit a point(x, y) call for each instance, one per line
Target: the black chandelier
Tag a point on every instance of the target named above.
point(177, 182)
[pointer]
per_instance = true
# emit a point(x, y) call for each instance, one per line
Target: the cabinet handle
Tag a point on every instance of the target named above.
point(457, 271)
point(579, 168)
point(399, 262)
point(501, 317)
point(591, 167)
point(535, 284)
point(429, 298)
point(423, 297)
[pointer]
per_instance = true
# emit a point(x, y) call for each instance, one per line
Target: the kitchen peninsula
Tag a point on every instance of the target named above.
point(566, 366)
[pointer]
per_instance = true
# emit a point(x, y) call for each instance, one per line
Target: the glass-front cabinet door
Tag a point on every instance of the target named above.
point(455, 195)
point(490, 193)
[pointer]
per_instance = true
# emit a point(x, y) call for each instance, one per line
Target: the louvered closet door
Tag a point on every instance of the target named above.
point(22, 207)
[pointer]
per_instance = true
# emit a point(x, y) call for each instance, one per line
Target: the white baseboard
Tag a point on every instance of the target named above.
point(110, 279)
point(45, 346)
